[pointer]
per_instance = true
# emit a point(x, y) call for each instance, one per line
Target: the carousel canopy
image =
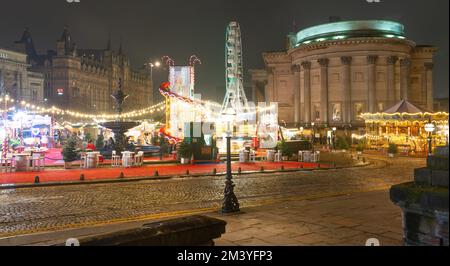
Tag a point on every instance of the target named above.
point(405, 111)
point(405, 107)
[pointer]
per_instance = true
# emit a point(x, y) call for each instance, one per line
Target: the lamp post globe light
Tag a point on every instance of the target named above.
point(230, 202)
point(429, 128)
point(152, 65)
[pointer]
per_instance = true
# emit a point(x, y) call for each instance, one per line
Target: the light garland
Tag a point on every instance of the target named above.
point(54, 110)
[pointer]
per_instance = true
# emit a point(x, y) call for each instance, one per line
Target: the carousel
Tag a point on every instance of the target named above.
point(404, 125)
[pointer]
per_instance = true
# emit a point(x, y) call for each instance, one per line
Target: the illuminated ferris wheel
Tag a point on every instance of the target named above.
point(235, 102)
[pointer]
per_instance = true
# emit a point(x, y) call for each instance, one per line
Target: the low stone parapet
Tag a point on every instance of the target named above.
point(186, 231)
point(424, 203)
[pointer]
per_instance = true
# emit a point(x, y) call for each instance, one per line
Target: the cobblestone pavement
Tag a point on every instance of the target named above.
point(29, 210)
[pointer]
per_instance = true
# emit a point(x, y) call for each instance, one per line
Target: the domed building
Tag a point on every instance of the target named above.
point(330, 74)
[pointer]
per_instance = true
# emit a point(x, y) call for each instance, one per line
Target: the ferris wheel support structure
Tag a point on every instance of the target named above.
point(235, 106)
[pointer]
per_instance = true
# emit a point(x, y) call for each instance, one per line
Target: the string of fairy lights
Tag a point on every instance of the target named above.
point(58, 111)
point(159, 107)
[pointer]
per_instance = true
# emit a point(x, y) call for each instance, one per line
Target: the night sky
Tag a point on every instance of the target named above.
point(150, 29)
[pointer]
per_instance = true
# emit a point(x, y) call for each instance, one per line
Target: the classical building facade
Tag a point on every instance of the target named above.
point(84, 79)
point(332, 73)
point(16, 79)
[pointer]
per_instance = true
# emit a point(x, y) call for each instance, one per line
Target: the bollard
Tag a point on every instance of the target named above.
point(301, 166)
point(36, 180)
point(214, 171)
point(239, 170)
point(262, 169)
point(121, 175)
point(318, 166)
point(187, 172)
point(282, 168)
point(156, 173)
point(82, 177)
point(364, 160)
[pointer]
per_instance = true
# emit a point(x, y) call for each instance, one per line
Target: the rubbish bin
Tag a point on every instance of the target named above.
point(270, 155)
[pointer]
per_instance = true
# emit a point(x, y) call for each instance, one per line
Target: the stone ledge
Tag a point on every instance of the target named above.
point(437, 162)
point(427, 197)
point(194, 230)
point(428, 177)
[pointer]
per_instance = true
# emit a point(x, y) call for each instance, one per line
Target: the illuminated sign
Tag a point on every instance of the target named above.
point(60, 91)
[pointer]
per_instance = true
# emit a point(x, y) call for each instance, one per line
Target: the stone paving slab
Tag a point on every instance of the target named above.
point(329, 223)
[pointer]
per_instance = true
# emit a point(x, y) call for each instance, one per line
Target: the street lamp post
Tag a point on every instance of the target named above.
point(446, 135)
point(429, 128)
point(152, 65)
point(333, 138)
point(230, 202)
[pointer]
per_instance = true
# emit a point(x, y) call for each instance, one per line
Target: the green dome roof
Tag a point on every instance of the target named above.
point(351, 29)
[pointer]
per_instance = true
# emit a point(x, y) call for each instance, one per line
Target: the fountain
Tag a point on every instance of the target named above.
point(119, 127)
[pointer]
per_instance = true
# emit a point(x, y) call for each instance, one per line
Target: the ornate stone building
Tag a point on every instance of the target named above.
point(332, 73)
point(84, 79)
point(16, 79)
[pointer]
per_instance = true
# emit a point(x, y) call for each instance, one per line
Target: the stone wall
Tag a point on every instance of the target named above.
point(424, 203)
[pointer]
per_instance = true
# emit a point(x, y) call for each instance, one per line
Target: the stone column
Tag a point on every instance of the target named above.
point(254, 88)
point(347, 86)
point(18, 90)
point(307, 92)
point(1, 84)
point(296, 73)
point(405, 65)
point(390, 79)
point(323, 62)
point(429, 85)
point(270, 88)
point(371, 83)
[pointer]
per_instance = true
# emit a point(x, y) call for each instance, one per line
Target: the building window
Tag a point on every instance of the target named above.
point(359, 109)
point(34, 96)
point(336, 115)
point(315, 79)
point(335, 77)
point(381, 77)
point(359, 77)
point(317, 112)
point(76, 92)
point(283, 84)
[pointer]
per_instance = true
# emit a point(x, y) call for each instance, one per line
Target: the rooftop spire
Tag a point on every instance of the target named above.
point(120, 47)
point(108, 45)
point(69, 45)
point(27, 41)
point(66, 34)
